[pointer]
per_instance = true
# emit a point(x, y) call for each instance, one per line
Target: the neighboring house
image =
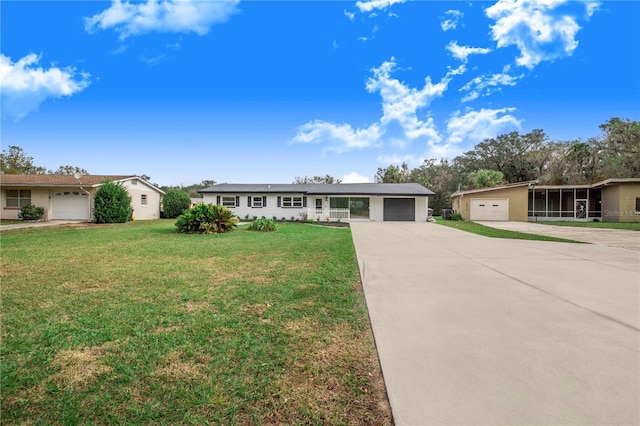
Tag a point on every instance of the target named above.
point(195, 201)
point(612, 200)
point(326, 202)
point(68, 197)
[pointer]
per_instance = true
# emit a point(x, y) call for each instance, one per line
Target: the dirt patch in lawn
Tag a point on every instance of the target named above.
point(80, 367)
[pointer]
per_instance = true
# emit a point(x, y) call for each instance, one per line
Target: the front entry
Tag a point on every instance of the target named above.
point(399, 209)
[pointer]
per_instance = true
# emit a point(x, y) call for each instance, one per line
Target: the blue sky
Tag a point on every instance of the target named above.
point(262, 91)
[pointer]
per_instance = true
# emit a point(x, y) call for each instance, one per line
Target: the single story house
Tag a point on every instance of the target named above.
point(326, 202)
point(68, 197)
point(611, 200)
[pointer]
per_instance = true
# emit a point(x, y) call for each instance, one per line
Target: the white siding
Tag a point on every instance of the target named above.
point(143, 212)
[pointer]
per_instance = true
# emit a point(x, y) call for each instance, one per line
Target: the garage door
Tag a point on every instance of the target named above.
point(70, 205)
point(489, 209)
point(400, 209)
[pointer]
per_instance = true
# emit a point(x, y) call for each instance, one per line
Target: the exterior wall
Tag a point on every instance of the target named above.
point(40, 197)
point(143, 212)
point(619, 202)
point(376, 212)
point(517, 197)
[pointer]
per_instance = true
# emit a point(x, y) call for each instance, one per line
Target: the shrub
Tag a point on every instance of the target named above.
point(456, 216)
point(174, 202)
point(31, 212)
point(112, 204)
point(264, 225)
point(206, 219)
point(309, 220)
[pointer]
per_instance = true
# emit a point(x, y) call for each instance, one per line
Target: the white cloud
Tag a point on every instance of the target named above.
point(24, 85)
point(349, 15)
point(401, 103)
point(488, 84)
point(368, 6)
point(539, 31)
point(475, 126)
point(354, 177)
point(462, 52)
point(180, 16)
point(452, 22)
point(339, 137)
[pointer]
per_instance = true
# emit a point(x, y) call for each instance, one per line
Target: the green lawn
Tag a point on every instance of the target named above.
point(488, 231)
point(9, 222)
point(607, 225)
point(134, 323)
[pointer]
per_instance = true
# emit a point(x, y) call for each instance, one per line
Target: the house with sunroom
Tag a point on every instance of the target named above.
point(71, 198)
point(326, 202)
point(610, 200)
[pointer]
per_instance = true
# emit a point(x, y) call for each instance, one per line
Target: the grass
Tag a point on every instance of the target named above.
point(133, 323)
point(606, 225)
point(488, 231)
point(9, 222)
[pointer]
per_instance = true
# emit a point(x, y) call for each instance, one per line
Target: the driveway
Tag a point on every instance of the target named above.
point(607, 237)
point(475, 330)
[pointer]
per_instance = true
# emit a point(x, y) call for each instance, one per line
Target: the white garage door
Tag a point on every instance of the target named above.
point(72, 205)
point(489, 209)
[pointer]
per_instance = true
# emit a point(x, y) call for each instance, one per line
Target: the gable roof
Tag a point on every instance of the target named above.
point(50, 180)
point(406, 189)
point(495, 188)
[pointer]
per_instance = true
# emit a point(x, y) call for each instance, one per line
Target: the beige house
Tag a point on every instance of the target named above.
point(71, 198)
point(612, 200)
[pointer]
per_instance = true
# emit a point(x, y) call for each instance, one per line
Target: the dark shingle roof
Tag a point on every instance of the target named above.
point(398, 189)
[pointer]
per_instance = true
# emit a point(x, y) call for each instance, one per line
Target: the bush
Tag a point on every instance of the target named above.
point(206, 219)
point(112, 204)
point(31, 212)
point(264, 225)
point(174, 202)
point(456, 216)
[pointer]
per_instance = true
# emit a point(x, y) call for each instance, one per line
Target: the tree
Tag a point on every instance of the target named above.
point(441, 177)
point(16, 162)
point(191, 190)
point(621, 148)
point(174, 202)
point(393, 174)
point(68, 170)
point(315, 179)
point(484, 178)
point(112, 204)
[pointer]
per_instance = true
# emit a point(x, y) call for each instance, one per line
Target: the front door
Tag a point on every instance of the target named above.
point(581, 209)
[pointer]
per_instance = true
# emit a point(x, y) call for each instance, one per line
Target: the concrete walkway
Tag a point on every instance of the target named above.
point(607, 237)
point(481, 331)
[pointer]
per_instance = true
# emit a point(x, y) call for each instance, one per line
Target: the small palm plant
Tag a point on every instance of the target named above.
point(206, 219)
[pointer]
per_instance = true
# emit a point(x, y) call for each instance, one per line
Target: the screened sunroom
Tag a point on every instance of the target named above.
point(581, 203)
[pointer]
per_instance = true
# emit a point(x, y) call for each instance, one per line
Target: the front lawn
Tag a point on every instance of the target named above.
point(606, 225)
point(134, 323)
point(488, 231)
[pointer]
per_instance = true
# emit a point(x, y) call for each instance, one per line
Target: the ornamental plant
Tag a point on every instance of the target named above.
point(174, 202)
point(31, 212)
point(206, 219)
point(264, 225)
point(112, 204)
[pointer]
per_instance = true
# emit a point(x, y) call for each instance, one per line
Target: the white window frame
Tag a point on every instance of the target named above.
point(21, 198)
point(256, 202)
point(228, 201)
point(144, 200)
point(291, 202)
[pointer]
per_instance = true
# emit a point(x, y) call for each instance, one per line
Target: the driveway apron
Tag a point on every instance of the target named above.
point(484, 331)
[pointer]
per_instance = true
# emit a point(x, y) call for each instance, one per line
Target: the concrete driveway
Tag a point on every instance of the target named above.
point(482, 331)
point(607, 237)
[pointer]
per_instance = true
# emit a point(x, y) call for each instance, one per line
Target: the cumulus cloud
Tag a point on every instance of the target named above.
point(487, 84)
point(338, 137)
point(24, 85)
point(463, 52)
point(451, 23)
point(368, 6)
point(354, 177)
point(349, 15)
point(475, 126)
point(177, 16)
point(400, 103)
point(537, 28)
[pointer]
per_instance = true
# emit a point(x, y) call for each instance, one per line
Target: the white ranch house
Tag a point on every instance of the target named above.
point(325, 202)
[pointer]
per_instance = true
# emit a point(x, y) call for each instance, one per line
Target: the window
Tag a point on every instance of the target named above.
point(229, 201)
point(291, 201)
point(257, 202)
point(18, 197)
point(638, 205)
point(143, 199)
point(318, 205)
